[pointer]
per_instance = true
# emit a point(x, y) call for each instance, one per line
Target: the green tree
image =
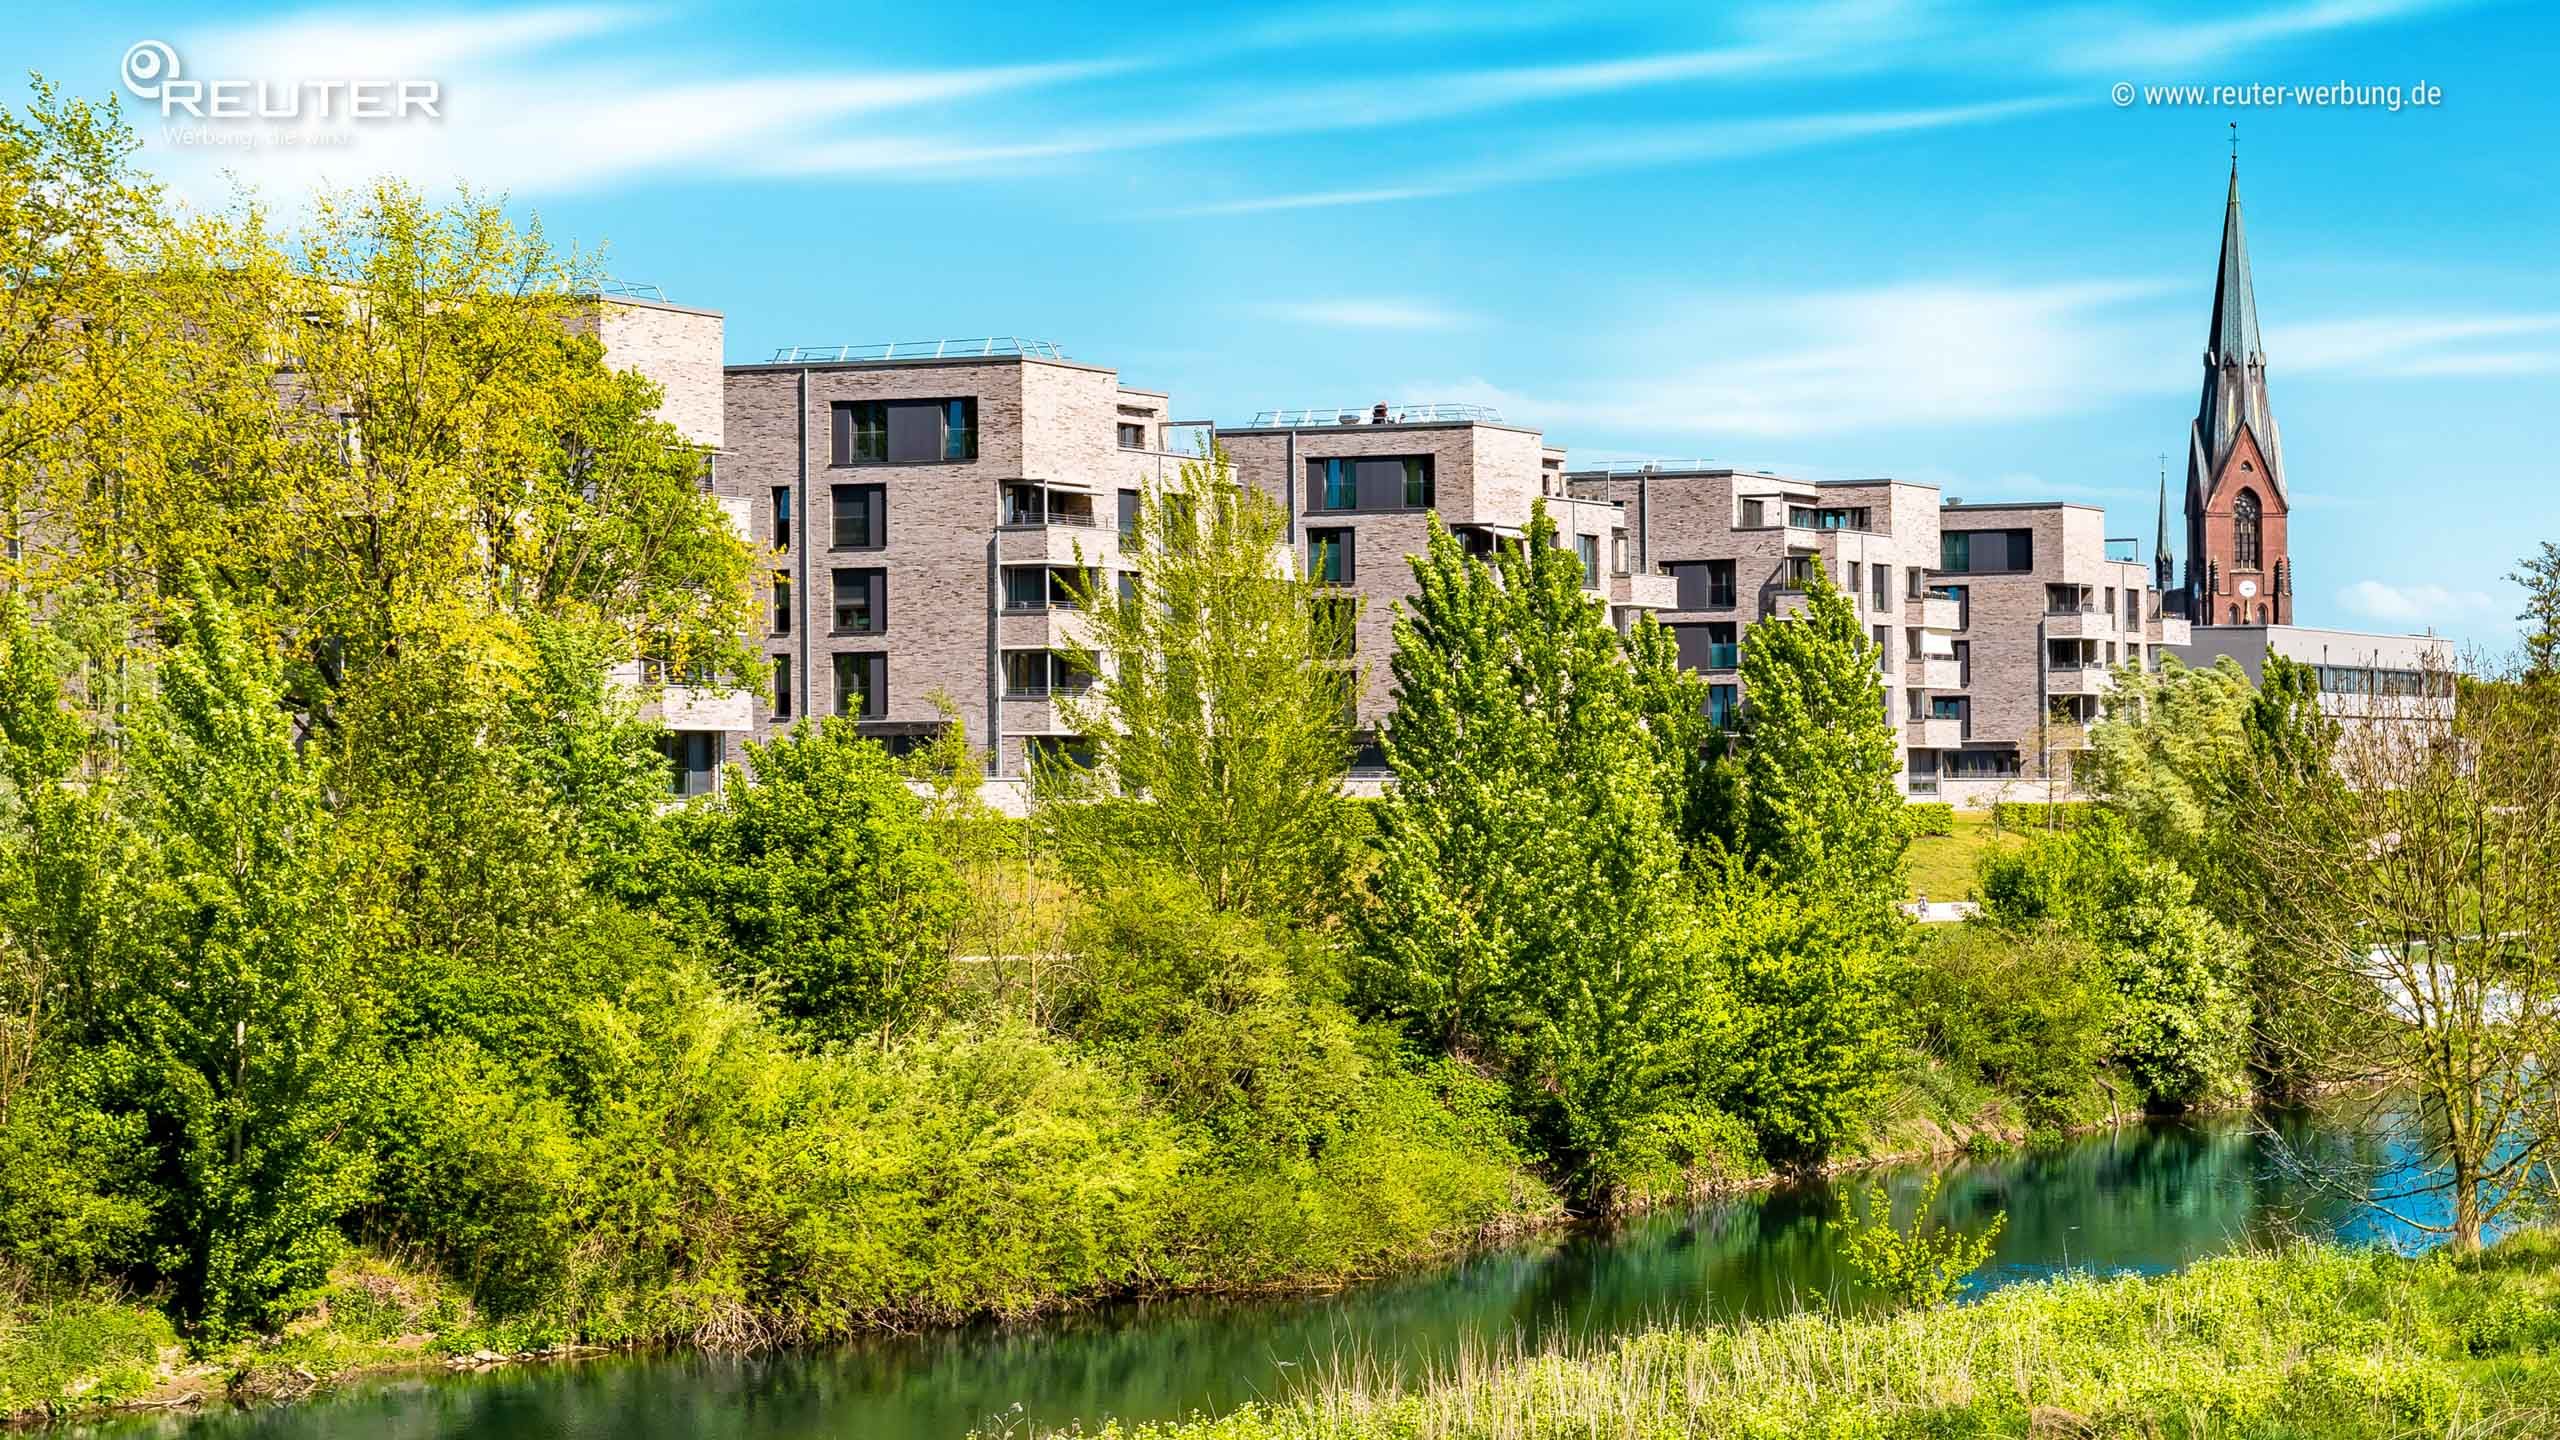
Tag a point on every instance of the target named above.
point(811, 881)
point(1527, 902)
point(1920, 1263)
point(2539, 574)
point(1817, 755)
point(2157, 755)
point(1813, 1031)
point(2180, 1008)
point(1218, 714)
point(235, 1019)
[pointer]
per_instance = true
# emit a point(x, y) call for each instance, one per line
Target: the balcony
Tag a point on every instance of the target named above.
point(1783, 603)
point(1934, 672)
point(1060, 627)
point(2089, 678)
point(690, 707)
point(1933, 732)
point(2079, 623)
point(2171, 630)
point(1936, 610)
point(1645, 592)
point(1058, 542)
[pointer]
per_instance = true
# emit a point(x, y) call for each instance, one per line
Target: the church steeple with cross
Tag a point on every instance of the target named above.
point(2238, 571)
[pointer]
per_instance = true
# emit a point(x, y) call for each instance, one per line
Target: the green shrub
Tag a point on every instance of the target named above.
point(1919, 1263)
point(1930, 817)
point(2024, 815)
point(2024, 1013)
point(76, 1350)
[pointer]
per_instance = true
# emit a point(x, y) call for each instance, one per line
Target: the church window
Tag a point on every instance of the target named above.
point(2235, 614)
point(2244, 530)
point(2262, 614)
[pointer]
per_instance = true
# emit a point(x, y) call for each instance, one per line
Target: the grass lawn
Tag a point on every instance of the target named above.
point(1942, 866)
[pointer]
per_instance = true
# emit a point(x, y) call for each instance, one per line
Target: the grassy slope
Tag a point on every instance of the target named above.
point(2310, 1343)
point(1943, 866)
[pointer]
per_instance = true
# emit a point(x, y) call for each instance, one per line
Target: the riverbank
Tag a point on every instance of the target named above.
point(2311, 1341)
point(95, 1355)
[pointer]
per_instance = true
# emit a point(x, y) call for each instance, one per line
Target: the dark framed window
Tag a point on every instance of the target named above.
point(1391, 482)
point(693, 760)
point(1329, 557)
point(1338, 626)
point(782, 687)
point(2246, 525)
point(781, 517)
point(1724, 706)
point(1128, 582)
point(907, 432)
point(1702, 584)
point(1707, 647)
point(1129, 501)
point(1587, 547)
point(861, 432)
point(1132, 437)
point(862, 684)
point(781, 602)
point(1987, 552)
point(1880, 577)
point(861, 516)
point(1036, 674)
point(862, 602)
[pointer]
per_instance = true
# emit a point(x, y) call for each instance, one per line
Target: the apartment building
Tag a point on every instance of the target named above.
point(2045, 606)
point(1359, 487)
point(1741, 546)
point(679, 347)
point(922, 510)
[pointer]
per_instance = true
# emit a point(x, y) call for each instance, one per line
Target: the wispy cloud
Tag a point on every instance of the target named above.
point(1368, 314)
point(570, 98)
point(1920, 355)
point(2440, 606)
point(2433, 344)
point(2112, 40)
point(1636, 149)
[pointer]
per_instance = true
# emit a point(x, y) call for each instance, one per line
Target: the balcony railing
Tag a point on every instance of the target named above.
point(1723, 657)
point(1042, 520)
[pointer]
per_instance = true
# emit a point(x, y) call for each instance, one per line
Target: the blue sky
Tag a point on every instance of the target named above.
point(1840, 239)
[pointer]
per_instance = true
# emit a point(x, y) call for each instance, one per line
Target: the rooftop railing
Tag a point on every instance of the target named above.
point(1368, 414)
point(973, 348)
point(2124, 548)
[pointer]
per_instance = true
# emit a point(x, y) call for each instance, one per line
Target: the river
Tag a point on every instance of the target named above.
point(2145, 1199)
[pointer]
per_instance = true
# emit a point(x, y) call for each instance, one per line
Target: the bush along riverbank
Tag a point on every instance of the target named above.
point(2308, 1342)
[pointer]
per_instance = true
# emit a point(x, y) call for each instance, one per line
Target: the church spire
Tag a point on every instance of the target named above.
point(2164, 566)
point(2234, 337)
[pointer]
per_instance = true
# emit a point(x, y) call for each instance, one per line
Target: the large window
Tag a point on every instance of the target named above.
point(1978, 764)
point(693, 760)
point(781, 602)
point(2245, 526)
point(861, 516)
point(1882, 596)
point(1042, 587)
point(782, 687)
point(1329, 557)
point(1132, 437)
point(781, 517)
point(873, 432)
point(1707, 647)
point(1724, 706)
point(862, 602)
point(1986, 552)
point(1702, 584)
point(862, 684)
point(1397, 482)
point(1588, 548)
point(1035, 674)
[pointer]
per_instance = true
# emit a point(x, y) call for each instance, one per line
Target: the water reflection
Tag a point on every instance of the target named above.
point(2147, 1199)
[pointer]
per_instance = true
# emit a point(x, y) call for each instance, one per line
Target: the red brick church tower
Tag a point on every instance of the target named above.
point(2238, 572)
